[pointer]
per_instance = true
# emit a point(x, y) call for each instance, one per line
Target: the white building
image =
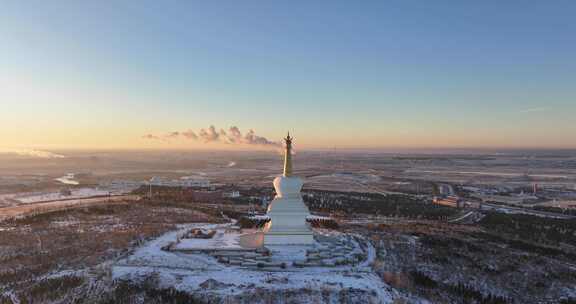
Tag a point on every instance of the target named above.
point(287, 211)
point(232, 194)
point(183, 182)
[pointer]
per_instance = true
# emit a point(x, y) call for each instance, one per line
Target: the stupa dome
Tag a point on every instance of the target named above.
point(288, 186)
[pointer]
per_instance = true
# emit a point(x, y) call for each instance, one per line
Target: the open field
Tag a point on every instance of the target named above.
point(67, 255)
point(356, 171)
point(78, 243)
point(62, 250)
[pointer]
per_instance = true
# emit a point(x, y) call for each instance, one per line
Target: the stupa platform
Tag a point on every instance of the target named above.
point(291, 238)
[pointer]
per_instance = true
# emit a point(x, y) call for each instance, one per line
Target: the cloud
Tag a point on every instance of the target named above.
point(534, 110)
point(189, 134)
point(32, 153)
point(151, 136)
point(165, 137)
point(209, 135)
point(232, 136)
point(172, 135)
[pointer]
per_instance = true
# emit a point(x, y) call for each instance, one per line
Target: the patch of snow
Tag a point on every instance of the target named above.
point(318, 217)
point(259, 217)
point(12, 296)
point(67, 179)
point(201, 273)
point(222, 239)
point(110, 228)
point(64, 223)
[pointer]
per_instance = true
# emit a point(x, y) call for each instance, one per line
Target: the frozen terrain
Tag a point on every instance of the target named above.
point(29, 198)
point(202, 274)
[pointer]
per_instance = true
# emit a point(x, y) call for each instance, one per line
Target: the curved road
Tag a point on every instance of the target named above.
point(9, 212)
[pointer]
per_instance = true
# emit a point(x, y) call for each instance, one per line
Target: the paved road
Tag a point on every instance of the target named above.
point(9, 212)
point(509, 209)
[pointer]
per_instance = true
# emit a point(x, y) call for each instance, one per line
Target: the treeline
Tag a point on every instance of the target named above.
point(47, 290)
point(523, 245)
point(159, 191)
point(126, 292)
point(179, 194)
point(51, 289)
point(40, 214)
point(468, 293)
point(555, 210)
point(375, 204)
point(532, 228)
point(465, 292)
point(450, 243)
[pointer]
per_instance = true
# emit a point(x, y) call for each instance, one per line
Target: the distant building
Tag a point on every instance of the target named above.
point(450, 201)
point(233, 194)
point(183, 182)
point(201, 183)
point(123, 185)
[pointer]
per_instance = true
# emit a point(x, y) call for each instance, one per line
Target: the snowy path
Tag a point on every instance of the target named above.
point(370, 255)
point(456, 220)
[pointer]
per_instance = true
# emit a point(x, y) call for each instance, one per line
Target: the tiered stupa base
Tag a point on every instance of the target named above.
point(288, 215)
point(289, 238)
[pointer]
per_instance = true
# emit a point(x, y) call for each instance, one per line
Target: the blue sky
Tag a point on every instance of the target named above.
point(337, 73)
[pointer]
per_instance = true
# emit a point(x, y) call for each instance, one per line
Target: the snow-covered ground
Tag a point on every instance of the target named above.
point(202, 274)
point(151, 255)
point(68, 179)
point(8, 200)
point(220, 240)
point(318, 217)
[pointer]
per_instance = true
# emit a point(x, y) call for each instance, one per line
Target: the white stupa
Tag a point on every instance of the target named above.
point(287, 211)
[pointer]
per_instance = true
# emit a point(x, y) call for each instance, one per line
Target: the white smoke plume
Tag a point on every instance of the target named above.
point(212, 135)
point(165, 137)
point(189, 134)
point(151, 136)
point(209, 135)
point(32, 153)
point(172, 135)
point(234, 135)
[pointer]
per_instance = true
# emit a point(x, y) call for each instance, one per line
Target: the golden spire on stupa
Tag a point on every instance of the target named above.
point(288, 156)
